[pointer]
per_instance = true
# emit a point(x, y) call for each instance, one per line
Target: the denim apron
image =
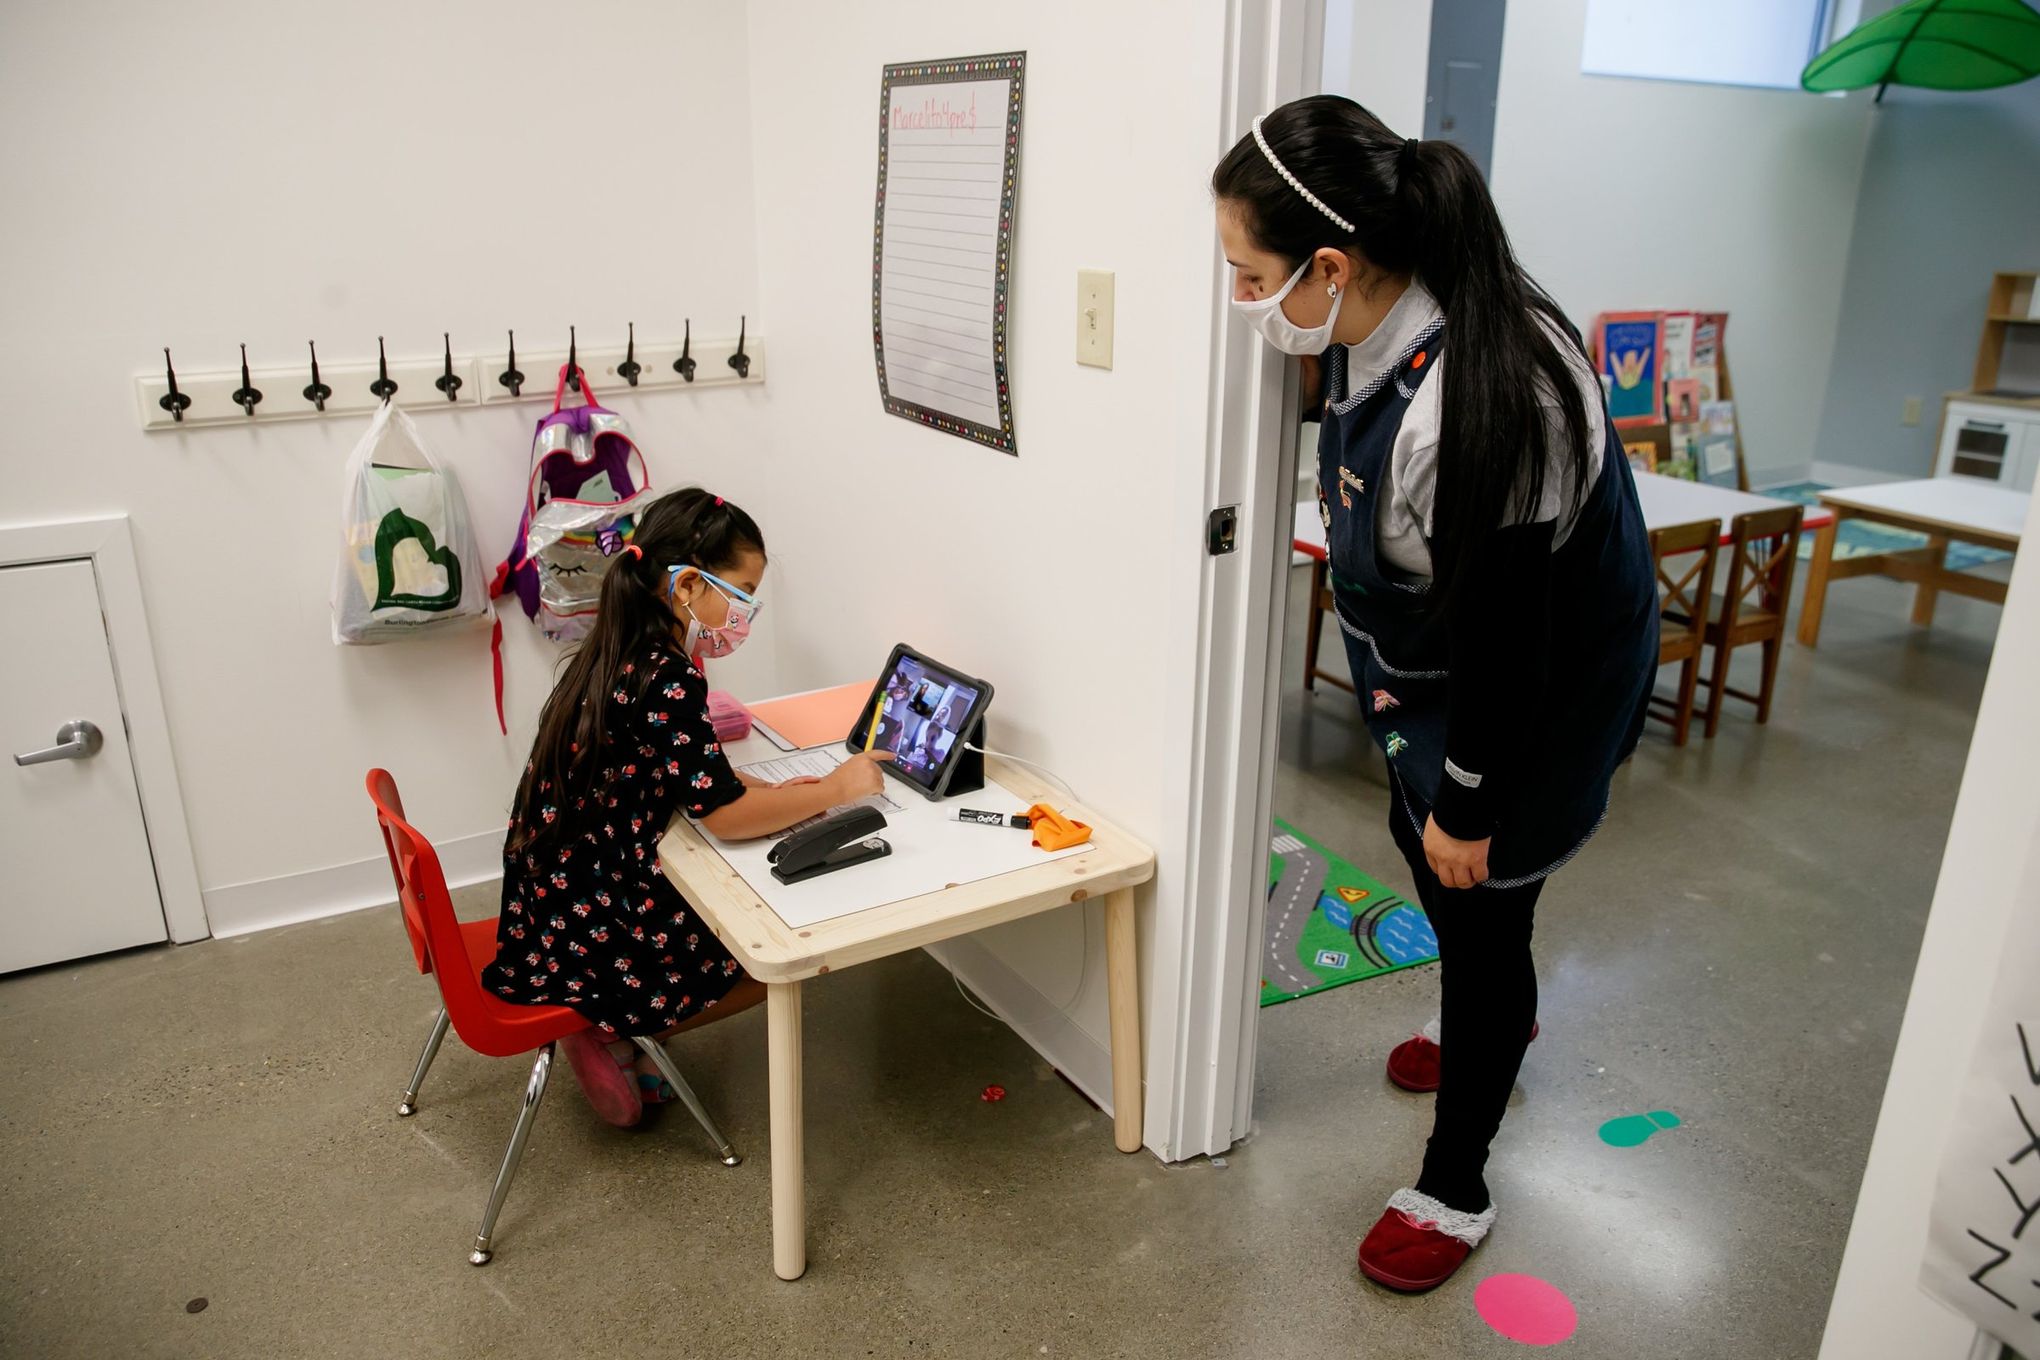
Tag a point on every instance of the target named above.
point(1604, 642)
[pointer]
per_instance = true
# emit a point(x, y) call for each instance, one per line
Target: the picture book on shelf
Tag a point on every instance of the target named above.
point(1630, 350)
point(1678, 346)
point(1714, 457)
point(1682, 395)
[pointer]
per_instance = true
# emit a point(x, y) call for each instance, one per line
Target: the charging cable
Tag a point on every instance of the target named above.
point(1022, 760)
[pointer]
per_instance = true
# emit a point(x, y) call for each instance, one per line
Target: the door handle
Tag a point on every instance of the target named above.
point(75, 741)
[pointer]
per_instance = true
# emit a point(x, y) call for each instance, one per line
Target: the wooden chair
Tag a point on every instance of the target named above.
point(1764, 551)
point(1321, 604)
point(1682, 612)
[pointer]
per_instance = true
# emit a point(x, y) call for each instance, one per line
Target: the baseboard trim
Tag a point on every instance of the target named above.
point(266, 903)
point(1052, 1033)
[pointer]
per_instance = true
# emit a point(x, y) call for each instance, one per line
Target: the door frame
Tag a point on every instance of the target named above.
point(1273, 52)
point(108, 543)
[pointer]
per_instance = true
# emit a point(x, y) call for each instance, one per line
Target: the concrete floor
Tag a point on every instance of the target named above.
point(216, 1121)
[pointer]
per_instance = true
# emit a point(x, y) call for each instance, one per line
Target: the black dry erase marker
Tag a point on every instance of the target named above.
point(994, 819)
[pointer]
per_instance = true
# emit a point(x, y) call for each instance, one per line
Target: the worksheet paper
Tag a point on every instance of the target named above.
point(930, 851)
point(948, 159)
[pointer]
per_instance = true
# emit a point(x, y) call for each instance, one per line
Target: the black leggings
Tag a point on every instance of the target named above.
point(1487, 1005)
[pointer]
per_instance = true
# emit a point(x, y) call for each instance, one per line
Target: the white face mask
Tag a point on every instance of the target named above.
point(1265, 315)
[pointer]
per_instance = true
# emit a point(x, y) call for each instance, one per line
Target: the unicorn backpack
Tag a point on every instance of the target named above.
point(581, 501)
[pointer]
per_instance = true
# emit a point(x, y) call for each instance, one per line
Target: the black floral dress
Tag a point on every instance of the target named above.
point(589, 921)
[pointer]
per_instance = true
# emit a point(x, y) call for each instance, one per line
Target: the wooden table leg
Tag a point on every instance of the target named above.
point(1122, 976)
point(1315, 626)
point(789, 1196)
point(1817, 583)
point(1925, 594)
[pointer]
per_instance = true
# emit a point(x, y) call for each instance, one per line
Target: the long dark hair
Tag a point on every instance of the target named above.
point(683, 528)
point(1421, 208)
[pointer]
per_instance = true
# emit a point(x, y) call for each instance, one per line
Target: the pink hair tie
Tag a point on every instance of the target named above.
point(634, 550)
point(718, 500)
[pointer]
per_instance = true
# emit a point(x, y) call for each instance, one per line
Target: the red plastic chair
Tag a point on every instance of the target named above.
point(455, 953)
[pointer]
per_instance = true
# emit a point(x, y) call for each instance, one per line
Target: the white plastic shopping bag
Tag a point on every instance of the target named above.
point(408, 561)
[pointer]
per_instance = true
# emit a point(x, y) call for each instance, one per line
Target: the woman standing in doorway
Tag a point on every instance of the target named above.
point(1490, 568)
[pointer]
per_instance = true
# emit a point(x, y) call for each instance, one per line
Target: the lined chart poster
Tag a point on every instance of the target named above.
point(942, 249)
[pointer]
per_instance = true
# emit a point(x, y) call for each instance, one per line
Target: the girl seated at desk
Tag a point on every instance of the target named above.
point(624, 744)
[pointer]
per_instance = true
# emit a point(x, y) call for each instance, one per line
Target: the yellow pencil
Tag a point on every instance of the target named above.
point(871, 737)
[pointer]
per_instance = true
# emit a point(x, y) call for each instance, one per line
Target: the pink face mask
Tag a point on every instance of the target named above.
point(705, 643)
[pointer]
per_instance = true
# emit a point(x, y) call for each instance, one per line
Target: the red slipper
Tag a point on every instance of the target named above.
point(611, 1089)
point(1418, 1242)
point(1413, 1063)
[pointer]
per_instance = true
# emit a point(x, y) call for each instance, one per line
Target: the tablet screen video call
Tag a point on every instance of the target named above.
point(921, 717)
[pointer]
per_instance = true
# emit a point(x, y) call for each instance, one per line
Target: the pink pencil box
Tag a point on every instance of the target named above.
point(731, 720)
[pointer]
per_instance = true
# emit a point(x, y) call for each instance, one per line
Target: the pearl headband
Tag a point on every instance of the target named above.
point(1297, 184)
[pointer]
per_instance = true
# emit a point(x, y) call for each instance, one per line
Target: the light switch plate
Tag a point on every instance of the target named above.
point(1912, 412)
point(1094, 317)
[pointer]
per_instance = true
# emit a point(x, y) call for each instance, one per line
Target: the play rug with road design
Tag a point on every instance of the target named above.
point(1330, 924)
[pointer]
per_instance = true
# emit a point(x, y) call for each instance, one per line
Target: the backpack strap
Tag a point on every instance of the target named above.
point(560, 388)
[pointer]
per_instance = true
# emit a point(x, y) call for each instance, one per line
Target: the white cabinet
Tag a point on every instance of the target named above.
point(1990, 443)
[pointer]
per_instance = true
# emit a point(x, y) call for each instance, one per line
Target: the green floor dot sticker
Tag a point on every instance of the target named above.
point(1629, 1130)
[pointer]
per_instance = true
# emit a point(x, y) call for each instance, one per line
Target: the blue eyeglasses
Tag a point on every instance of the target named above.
point(739, 598)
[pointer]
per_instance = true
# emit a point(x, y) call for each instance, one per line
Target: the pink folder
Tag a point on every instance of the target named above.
point(818, 719)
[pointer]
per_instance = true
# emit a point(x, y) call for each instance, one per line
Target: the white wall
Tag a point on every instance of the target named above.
point(206, 173)
point(1644, 193)
point(1641, 193)
point(1879, 1309)
point(1067, 575)
point(1380, 55)
point(1918, 273)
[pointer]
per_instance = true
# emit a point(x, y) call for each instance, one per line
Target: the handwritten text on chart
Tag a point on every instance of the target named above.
point(936, 115)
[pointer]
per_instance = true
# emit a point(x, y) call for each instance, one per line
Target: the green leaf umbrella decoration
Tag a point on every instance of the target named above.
point(1935, 45)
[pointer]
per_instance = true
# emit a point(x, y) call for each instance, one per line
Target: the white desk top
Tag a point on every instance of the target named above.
point(773, 949)
point(1958, 503)
point(1674, 500)
point(1666, 501)
point(931, 850)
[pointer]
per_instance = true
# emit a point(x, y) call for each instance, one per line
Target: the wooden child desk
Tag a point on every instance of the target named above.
point(783, 958)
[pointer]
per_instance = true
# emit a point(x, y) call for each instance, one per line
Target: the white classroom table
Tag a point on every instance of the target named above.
point(783, 957)
point(1945, 509)
point(1666, 501)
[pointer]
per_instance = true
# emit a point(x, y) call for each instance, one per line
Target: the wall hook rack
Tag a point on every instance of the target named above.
point(173, 401)
point(317, 393)
point(510, 377)
point(629, 369)
point(167, 398)
point(382, 387)
point(448, 381)
point(247, 396)
point(685, 365)
point(573, 362)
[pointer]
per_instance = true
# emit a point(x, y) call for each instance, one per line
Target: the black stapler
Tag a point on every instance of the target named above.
point(838, 841)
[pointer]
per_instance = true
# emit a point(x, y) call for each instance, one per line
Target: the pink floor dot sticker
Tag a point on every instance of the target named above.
point(1526, 1309)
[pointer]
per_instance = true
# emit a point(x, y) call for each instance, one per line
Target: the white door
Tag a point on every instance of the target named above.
point(75, 872)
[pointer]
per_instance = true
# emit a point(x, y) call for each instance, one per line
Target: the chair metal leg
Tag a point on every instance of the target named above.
point(409, 1104)
point(656, 1051)
point(534, 1091)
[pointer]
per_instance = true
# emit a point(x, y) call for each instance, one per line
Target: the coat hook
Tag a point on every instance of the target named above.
point(448, 381)
point(629, 369)
point(573, 362)
point(173, 401)
point(317, 393)
point(382, 386)
point(510, 377)
point(741, 361)
point(685, 365)
point(247, 396)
